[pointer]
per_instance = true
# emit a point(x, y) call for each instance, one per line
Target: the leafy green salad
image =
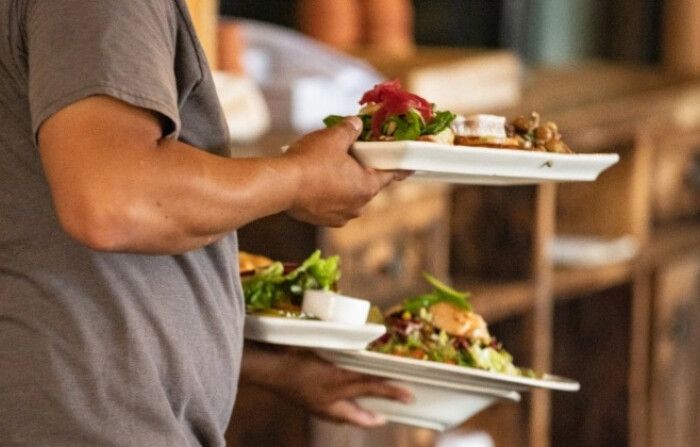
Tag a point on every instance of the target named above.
point(441, 326)
point(278, 289)
point(391, 113)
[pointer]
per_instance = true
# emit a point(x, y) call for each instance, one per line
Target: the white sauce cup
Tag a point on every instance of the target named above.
point(330, 306)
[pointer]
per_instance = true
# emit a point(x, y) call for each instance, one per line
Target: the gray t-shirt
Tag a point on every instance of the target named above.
point(107, 349)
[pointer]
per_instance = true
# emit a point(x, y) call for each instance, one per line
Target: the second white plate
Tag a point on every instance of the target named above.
point(311, 333)
point(391, 366)
point(479, 165)
point(436, 405)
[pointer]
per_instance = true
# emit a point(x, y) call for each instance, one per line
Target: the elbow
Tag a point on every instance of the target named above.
point(99, 227)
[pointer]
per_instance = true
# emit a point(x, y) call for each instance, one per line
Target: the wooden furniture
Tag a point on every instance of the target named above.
point(675, 351)
point(681, 32)
point(205, 17)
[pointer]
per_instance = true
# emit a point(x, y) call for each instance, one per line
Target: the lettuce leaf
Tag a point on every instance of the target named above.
point(488, 358)
point(440, 121)
point(441, 292)
point(267, 287)
point(408, 126)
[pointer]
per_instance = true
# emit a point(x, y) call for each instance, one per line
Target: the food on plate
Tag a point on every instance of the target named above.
point(332, 306)
point(390, 113)
point(249, 262)
point(482, 130)
point(533, 135)
point(277, 289)
point(441, 326)
point(522, 132)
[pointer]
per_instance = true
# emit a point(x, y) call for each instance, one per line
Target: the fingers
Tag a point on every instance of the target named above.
point(372, 387)
point(389, 176)
point(349, 384)
point(348, 411)
point(402, 175)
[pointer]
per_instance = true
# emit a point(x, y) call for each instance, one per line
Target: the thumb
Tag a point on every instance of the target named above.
point(340, 136)
point(348, 129)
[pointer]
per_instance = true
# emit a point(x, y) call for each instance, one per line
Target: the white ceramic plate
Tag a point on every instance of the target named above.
point(436, 405)
point(310, 333)
point(391, 366)
point(478, 165)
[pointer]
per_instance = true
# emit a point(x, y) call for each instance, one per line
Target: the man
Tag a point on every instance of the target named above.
point(120, 307)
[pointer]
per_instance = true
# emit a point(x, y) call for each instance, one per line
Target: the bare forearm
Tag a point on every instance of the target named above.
point(260, 365)
point(171, 198)
point(183, 198)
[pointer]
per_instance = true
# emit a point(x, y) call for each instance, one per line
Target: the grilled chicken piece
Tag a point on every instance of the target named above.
point(459, 322)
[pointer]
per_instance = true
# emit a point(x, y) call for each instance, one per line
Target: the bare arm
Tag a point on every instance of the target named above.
point(118, 185)
point(322, 389)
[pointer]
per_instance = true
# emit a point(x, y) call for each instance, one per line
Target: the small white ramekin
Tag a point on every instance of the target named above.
point(330, 306)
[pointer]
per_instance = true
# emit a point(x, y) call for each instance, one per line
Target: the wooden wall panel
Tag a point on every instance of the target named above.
point(681, 35)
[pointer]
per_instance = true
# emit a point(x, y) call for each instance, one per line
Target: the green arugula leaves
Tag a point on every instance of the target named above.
point(408, 126)
point(441, 292)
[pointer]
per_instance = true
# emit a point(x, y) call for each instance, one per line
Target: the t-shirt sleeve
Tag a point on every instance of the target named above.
point(124, 49)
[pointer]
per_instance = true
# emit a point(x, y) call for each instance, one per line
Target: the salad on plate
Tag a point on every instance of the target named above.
point(390, 113)
point(441, 326)
point(274, 288)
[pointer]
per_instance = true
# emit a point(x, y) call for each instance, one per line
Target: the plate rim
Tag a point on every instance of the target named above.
point(482, 165)
point(428, 145)
point(474, 388)
point(320, 323)
point(555, 382)
point(285, 331)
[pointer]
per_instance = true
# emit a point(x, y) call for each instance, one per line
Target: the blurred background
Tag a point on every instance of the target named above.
point(595, 281)
point(540, 31)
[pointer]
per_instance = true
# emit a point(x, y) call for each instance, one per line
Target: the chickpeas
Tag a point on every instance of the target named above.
point(523, 124)
point(543, 134)
point(531, 135)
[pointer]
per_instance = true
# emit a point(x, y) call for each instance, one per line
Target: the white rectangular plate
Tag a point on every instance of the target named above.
point(391, 366)
point(480, 165)
point(310, 333)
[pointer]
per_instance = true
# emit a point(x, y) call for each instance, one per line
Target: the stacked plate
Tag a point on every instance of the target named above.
point(480, 165)
point(311, 333)
point(444, 395)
